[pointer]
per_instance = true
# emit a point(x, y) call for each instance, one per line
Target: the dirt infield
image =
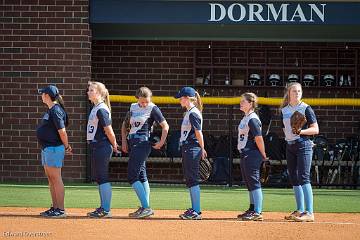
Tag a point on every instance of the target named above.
point(24, 223)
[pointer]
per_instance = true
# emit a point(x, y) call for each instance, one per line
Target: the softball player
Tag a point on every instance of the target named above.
point(102, 143)
point(192, 147)
point(143, 113)
point(52, 136)
point(252, 153)
point(299, 152)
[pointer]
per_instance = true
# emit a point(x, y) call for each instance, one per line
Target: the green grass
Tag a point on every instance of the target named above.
point(177, 197)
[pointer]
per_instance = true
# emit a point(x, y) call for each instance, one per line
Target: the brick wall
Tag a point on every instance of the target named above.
point(41, 42)
point(166, 66)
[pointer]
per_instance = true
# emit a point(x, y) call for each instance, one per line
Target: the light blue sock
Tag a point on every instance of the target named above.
point(191, 198)
point(140, 192)
point(105, 195)
point(101, 198)
point(195, 198)
point(147, 191)
point(258, 200)
point(251, 197)
point(308, 197)
point(299, 198)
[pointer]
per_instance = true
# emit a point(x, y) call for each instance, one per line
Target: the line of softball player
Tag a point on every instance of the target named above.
point(135, 140)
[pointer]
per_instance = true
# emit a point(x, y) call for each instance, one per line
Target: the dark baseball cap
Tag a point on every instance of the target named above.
point(51, 90)
point(186, 92)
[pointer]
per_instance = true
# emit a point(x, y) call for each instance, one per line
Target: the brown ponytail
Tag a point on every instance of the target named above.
point(143, 92)
point(58, 99)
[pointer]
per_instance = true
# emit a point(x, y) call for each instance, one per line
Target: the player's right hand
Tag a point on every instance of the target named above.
point(68, 150)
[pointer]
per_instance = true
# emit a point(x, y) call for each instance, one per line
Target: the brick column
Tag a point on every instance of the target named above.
point(41, 42)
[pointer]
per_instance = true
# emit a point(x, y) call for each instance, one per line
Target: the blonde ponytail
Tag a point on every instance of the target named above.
point(102, 90)
point(107, 100)
point(286, 99)
point(197, 101)
point(251, 98)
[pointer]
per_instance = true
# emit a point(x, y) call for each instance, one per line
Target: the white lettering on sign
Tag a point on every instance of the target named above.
point(231, 10)
point(254, 12)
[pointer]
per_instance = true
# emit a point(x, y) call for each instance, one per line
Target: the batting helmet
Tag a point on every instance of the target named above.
point(254, 79)
point(309, 79)
point(328, 80)
point(274, 79)
point(293, 78)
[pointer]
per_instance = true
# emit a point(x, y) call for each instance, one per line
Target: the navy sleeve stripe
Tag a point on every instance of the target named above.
point(104, 117)
point(58, 117)
point(157, 115)
point(195, 121)
point(255, 127)
point(310, 115)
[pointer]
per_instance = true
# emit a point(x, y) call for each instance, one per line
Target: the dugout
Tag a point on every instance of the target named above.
point(221, 48)
point(224, 49)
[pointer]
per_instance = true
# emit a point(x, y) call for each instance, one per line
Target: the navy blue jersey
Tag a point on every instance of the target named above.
point(192, 121)
point(99, 118)
point(249, 128)
point(286, 114)
point(47, 131)
point(142, 119)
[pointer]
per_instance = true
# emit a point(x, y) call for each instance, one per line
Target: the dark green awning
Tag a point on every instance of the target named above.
point(313, 33)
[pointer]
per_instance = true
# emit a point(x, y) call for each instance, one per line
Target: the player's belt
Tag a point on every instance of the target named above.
point(296, 141)
point(138, 136)
point(188, 142)
point(96, 141)
point(244, 150)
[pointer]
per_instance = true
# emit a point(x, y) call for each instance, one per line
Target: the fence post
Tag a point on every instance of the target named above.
point(88, 159)
point(231, 144)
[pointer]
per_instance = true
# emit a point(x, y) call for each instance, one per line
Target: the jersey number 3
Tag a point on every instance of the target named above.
point(91, 129)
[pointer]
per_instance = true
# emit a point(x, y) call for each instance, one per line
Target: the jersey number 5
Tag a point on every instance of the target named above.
point(242, 137)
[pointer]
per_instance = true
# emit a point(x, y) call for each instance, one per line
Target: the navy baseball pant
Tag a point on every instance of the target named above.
point(250, 168)
point(299, 157)
point(191, 156)
point(139, 151)
point(100, 153)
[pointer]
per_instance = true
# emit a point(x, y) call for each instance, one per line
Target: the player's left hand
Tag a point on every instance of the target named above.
point(265, 169)
point(116, 148)
point(157, 145)
point(203, 154)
